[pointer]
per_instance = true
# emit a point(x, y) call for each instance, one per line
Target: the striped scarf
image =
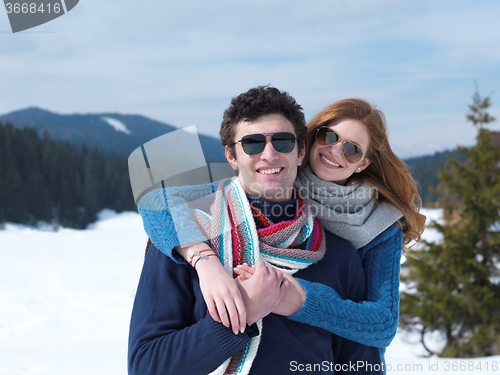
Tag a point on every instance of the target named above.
point(239, 233)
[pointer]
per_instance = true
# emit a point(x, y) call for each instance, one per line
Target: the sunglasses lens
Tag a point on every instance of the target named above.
point(352, 153)
point(253, 144)
point(283, 142)
point(326, 136)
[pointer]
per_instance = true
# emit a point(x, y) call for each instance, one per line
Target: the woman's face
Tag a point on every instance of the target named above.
point(329, 163)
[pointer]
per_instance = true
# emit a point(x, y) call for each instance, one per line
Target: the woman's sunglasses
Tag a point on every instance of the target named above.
point(328, 137)
point(254, 144)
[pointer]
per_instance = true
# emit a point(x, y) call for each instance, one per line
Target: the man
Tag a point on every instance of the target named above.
point(263, 132)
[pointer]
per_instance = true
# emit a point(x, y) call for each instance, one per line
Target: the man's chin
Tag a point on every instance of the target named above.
point(273, 193)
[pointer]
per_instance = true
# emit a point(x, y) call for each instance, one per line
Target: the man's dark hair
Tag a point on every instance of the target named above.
point(260, 101)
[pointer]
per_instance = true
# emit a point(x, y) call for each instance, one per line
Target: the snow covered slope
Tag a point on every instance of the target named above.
point(67, 296)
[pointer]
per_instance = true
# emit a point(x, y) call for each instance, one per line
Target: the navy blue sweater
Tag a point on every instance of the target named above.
point(171, 332)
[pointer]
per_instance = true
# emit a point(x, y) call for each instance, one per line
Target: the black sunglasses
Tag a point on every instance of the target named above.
point(254, 144)
point(328, 137)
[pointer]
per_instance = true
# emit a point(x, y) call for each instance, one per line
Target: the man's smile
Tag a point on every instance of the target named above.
point(269, 170)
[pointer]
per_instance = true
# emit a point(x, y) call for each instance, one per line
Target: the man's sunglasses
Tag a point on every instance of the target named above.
point(254, 144)
point(328, 137)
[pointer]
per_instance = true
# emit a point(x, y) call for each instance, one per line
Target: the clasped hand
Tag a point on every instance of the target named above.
point(292, 300)
point(256, 292)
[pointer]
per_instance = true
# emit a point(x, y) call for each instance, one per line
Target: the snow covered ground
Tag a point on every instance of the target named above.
point(67, 296)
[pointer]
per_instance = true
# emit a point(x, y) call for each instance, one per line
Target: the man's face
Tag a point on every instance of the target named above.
point(270, 174)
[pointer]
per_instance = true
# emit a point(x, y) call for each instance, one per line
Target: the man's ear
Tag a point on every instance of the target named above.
point(301, 155)
point(230, 157)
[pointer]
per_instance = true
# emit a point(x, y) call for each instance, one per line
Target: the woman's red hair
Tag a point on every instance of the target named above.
point(387, 172)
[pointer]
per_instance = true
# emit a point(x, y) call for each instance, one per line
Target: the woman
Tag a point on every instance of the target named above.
point(363, 193)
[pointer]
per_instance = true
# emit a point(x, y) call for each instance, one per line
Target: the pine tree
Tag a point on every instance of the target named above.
point(454, 284)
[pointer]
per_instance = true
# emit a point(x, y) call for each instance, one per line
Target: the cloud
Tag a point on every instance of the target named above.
point(181, 62)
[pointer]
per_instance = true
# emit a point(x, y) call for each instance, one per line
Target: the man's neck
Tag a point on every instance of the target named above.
point(274, 211)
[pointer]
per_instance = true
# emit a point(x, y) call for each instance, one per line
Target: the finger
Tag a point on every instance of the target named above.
point(271, 270)
point(284, 281)
point(242, 274)
point(283, 288)
point(243, 314)
point(246, 268)
point(212, 310)
point(240, 307)
point(233, 316)
point(221, 308)
point(259, 266)
point(277, 274)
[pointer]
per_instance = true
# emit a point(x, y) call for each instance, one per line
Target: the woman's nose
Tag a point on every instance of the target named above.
point(336, 150)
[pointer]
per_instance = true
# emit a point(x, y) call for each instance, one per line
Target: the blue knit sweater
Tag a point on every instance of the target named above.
point(171, 332)
point(372, 322)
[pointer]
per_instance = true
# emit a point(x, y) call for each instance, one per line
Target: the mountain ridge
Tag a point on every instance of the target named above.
point(93, 130)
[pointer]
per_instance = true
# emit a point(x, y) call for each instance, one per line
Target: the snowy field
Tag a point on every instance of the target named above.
point(67, 296)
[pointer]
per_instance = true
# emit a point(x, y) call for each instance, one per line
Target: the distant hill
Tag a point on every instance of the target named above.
point(57, 182)
point(113, 133)
point(119, 135)
point(425, 170)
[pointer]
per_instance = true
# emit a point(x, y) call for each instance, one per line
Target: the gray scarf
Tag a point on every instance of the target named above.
point(350, 212)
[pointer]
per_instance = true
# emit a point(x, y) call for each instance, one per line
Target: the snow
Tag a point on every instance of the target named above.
point(117, 125)
point(432, 215)
point(430, 234)
point(67, 298)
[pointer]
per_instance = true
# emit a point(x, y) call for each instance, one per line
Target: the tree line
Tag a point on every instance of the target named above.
point(57, 182)
point(426, 169)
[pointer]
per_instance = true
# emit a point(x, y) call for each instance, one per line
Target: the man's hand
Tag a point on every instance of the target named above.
point(262, 292)
point(292, 301)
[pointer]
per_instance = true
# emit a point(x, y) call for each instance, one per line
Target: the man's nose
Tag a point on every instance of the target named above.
point(269, 153)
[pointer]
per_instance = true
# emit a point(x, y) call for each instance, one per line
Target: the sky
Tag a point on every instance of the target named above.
point(182, 62)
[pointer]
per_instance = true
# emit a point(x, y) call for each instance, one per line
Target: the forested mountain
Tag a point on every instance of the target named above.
point(112, 133)
point(57, 182)
point(425, 170)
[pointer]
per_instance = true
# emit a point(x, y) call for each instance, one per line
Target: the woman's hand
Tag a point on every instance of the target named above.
point(221, 294)
point(220, 291)
point(292, 301)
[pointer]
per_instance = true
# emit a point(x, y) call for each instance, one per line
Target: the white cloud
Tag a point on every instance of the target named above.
point(181, 62)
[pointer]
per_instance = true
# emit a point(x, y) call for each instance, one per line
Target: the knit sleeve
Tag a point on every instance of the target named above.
point(170, 331)
point(374, 321)
point(167, 218)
